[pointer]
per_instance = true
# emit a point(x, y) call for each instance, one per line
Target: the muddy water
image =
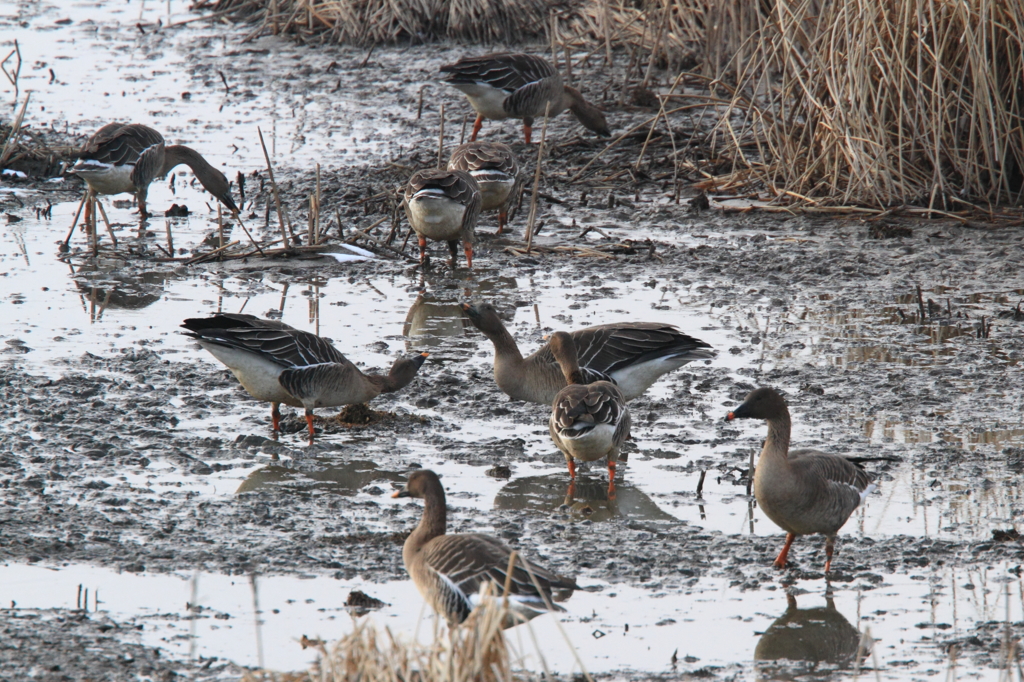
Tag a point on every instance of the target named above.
point(865, 375)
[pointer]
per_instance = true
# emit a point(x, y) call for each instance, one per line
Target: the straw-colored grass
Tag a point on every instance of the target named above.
point(475, 651)
point(828, 102)
point(884, 103)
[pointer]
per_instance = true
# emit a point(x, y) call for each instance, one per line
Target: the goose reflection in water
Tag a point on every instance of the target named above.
point(346, 478)
point(803, 641)
point(110, 285)
point(430, 322)
point(587, 500)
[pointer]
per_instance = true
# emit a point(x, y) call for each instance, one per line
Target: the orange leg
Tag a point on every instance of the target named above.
point(469, 254)
point(423, 249)
point(830, 544)
point(309, 423)
point(527, 132)
point(780, 561)
point(572, 468)
point(501, 221)
point(476, 127)
point(275, 416)
point(611, 480)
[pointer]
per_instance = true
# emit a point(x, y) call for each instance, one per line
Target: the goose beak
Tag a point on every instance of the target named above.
point(729, 417)
point(404, 492)
point(469, 310)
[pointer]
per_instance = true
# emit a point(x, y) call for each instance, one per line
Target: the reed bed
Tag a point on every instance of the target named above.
point(819, 103)
point(883, 103)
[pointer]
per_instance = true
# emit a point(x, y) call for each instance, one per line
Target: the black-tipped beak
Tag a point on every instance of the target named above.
point(729, 417)
point(468, 309)
point(420, 359)
point(229, 202)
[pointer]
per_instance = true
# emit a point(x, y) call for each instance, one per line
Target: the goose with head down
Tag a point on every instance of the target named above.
point(278, 364)
point(523, 86)
point(804, 492)
point(494, 167)
point(632, 355)
point(443, 205)
point(127, 158)
point(589, 420)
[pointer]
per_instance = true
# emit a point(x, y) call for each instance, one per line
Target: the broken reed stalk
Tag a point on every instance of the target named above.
point(440, 141)
point(15, 131)
point(273, 185)
point(220, 227)
point(316, 225)
point(536, 180)
point(750, 472)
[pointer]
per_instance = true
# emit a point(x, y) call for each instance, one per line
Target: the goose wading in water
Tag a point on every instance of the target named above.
point(448, 570)
point(494, 167)
point(122, 158)
point(804, 492)
point(443, 205)
point(277, 363)
point(632, 355)
point(501, 86)
point(589, 421)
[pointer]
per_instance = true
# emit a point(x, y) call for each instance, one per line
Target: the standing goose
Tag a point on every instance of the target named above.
point(589, 421)
point(802, 491)
point(501, 86)
point(494, 167)
point(127, 158)
point(632, 355)
point(278, 364)
point(449, 570)
point(443, 205)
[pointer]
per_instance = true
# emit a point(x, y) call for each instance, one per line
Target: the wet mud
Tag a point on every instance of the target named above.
point(896, 338)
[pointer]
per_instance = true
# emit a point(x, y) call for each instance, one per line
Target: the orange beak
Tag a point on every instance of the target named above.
point(729, 417)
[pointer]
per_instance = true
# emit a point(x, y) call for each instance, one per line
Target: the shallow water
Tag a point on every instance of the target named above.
point(702, 622)
point(54, 311)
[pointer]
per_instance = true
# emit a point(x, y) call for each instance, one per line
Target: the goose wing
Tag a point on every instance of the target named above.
point(507, 71)
point(611, 347)
point(578, 408)
point(313, 381)
point(474, 156)
point(457, 185)
point(464, 562)
point(843, 484)
point(118, 144)
point(286, 347)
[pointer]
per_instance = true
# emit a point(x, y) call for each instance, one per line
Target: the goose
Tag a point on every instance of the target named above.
point(589, 421)
point(501, 86)
point(128, 157)
point(277, 363)
point(448, 570)
point(803, 492)
point(443, 205)
point(496, 171)
point(632, 355)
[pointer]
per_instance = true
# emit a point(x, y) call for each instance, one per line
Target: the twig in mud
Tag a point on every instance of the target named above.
point(700, 483)
point(536, 180)
point(419, 107)
point(366, 59)
point(440, 141)
point(208, 254)
point(17, 69)
point(273, 186)
point(920, 303)
point(750, 473)
point(363, 232)
point(341, 228)
point(227, 88)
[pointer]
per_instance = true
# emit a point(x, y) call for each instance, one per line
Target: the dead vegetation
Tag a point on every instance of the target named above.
point(819, 103)
point(476, 651)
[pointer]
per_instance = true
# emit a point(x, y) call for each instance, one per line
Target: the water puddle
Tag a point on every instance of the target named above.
point(694, 624)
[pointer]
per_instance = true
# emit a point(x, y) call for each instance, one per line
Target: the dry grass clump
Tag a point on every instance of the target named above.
point(476, 651)
point(884, 103)
point(377, 22)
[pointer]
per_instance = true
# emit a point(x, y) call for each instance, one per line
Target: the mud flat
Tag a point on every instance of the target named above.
point(132, 462)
